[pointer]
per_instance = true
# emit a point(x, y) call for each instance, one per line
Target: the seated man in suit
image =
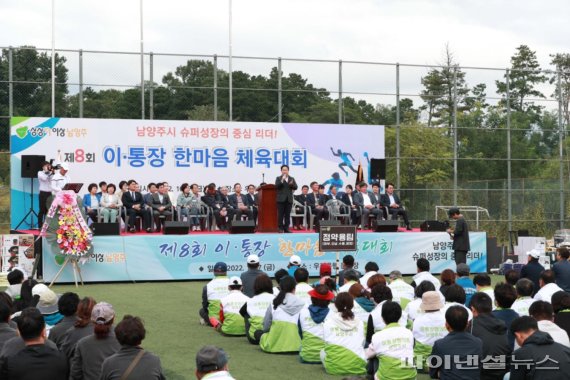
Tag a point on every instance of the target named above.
point(302, 199)
point(152, 189)
point(368, 204)
point(161, 206)
point(391, 200)
point(252, 199)
point(133, 201)
point(317, 202)
point(210, 198)
point(240, 203)
point(348, 199)
point(224, 200)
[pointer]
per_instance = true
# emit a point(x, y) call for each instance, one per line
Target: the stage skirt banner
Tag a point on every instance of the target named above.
point(181, 257)
point(198, 152)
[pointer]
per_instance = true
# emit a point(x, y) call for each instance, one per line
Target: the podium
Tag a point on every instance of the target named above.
point(267, 206)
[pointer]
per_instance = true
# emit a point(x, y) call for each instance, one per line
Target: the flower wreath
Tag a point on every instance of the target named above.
point(73, 235)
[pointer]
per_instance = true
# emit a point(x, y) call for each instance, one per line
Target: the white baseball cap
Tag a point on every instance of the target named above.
point(295, 260)
point(253, 259)
point(534, 253)
point(235, 280)
point(64, 166)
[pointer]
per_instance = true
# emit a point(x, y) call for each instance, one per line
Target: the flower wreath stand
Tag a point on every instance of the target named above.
point(72, 235)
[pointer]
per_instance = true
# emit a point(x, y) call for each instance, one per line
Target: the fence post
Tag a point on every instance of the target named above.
point(561, 148)
point(279, 91)
point(10, 82)
point(80, 83)
point(215, 87)
point(340, 91)
point(151, 87)
point(455, 135)
point(398, 126)
point(509, 179)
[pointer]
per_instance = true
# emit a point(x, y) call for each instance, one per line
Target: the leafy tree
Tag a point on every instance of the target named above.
point(562, 63)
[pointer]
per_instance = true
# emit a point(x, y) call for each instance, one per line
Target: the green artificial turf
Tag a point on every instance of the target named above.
point(170, 312)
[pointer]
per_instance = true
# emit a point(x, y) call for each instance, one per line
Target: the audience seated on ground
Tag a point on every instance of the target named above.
point(413, 307)
point(351, 277)
point(6, 331)
point(535, 347)
point(543, 313)
point(459, 345)
point(561, 268)
point(561, 307)
point(465, 282)
point(82, 327)
point(524, 289)
point(455, 296)
point(294, 263)
point(493, 333)
point(482, 282)
point(381, 294)
point(343, 334)
point(548, 287)
point(280, 325)
point(253, 311)
point(91, 351)
point(347, 263)
point(392, 347)
point(402, 292)
point(325, 272)
point(363, 305)
point(428, 327)
point(130, 333)
point(15, 279)
point(212, 294)
point(47, 305)
point(311, 324)
point(511, 277)
point(424, 274)
point(278, 276)
point(230, 321)
point(447, 278)
point(67, 306)
point(370, 269)
point(303, 288)
point(505, 296)
point(35, 360)
point(250, 275)
point(212, 362)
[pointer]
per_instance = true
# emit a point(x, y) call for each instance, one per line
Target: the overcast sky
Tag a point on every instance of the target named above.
point(480, 33)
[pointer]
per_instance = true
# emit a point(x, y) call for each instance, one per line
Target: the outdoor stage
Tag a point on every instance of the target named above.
point(157, 257)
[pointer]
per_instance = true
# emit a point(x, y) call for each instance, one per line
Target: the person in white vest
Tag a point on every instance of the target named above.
point(303, 288)
point(424, 274)
point(543, 312)
point(311, 324)
point(412, 309)
point(524, 288)
point(482, 282)
point(455, 296)
point(370, 269)
point(428, 327)
point(363, 305)
point(212, 363)
point(344, 338)
point(393, 347)
point(280, 326)
point(381, 294)
point(351, 277)
point(231, 322)
point(548, 286)
point(212, 293)
point(402, 292)
point(254, 310)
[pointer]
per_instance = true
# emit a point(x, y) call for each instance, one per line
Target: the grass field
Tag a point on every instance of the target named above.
point(170, 312)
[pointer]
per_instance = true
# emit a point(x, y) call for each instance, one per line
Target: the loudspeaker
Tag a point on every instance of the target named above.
point(105, 229)
point(31, 165)
point(242, 227)
point(434, 225)
point(328, 223)
point(175, 228)
point(385, 226)
point(377, 169)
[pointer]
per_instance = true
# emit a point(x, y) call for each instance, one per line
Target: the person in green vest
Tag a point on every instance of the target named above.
point(231, 322)
point(311, 322)
point(254, 310)
point(280, 326)
point(212, 293)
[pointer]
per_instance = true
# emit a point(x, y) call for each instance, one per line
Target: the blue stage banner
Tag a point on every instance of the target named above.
point(186, 257)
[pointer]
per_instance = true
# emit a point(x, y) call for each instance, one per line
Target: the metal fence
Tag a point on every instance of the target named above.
point(513, 201)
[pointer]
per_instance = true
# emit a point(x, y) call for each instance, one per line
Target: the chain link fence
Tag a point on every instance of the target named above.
point(461, 141)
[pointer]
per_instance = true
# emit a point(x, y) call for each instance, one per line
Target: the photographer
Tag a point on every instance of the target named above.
point(60, 178)
point(44, 179)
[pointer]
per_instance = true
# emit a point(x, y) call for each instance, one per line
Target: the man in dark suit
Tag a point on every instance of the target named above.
point(460, 236)
point(286, 185)
point(302, 199)
point(348, 199)
point(392, 202)
point(368, 203)
point(240, 203)
point(224, 200)
point(317, 202)
point(252, 199)
point(161, 206)
point(212, 199)
point(133, 202)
